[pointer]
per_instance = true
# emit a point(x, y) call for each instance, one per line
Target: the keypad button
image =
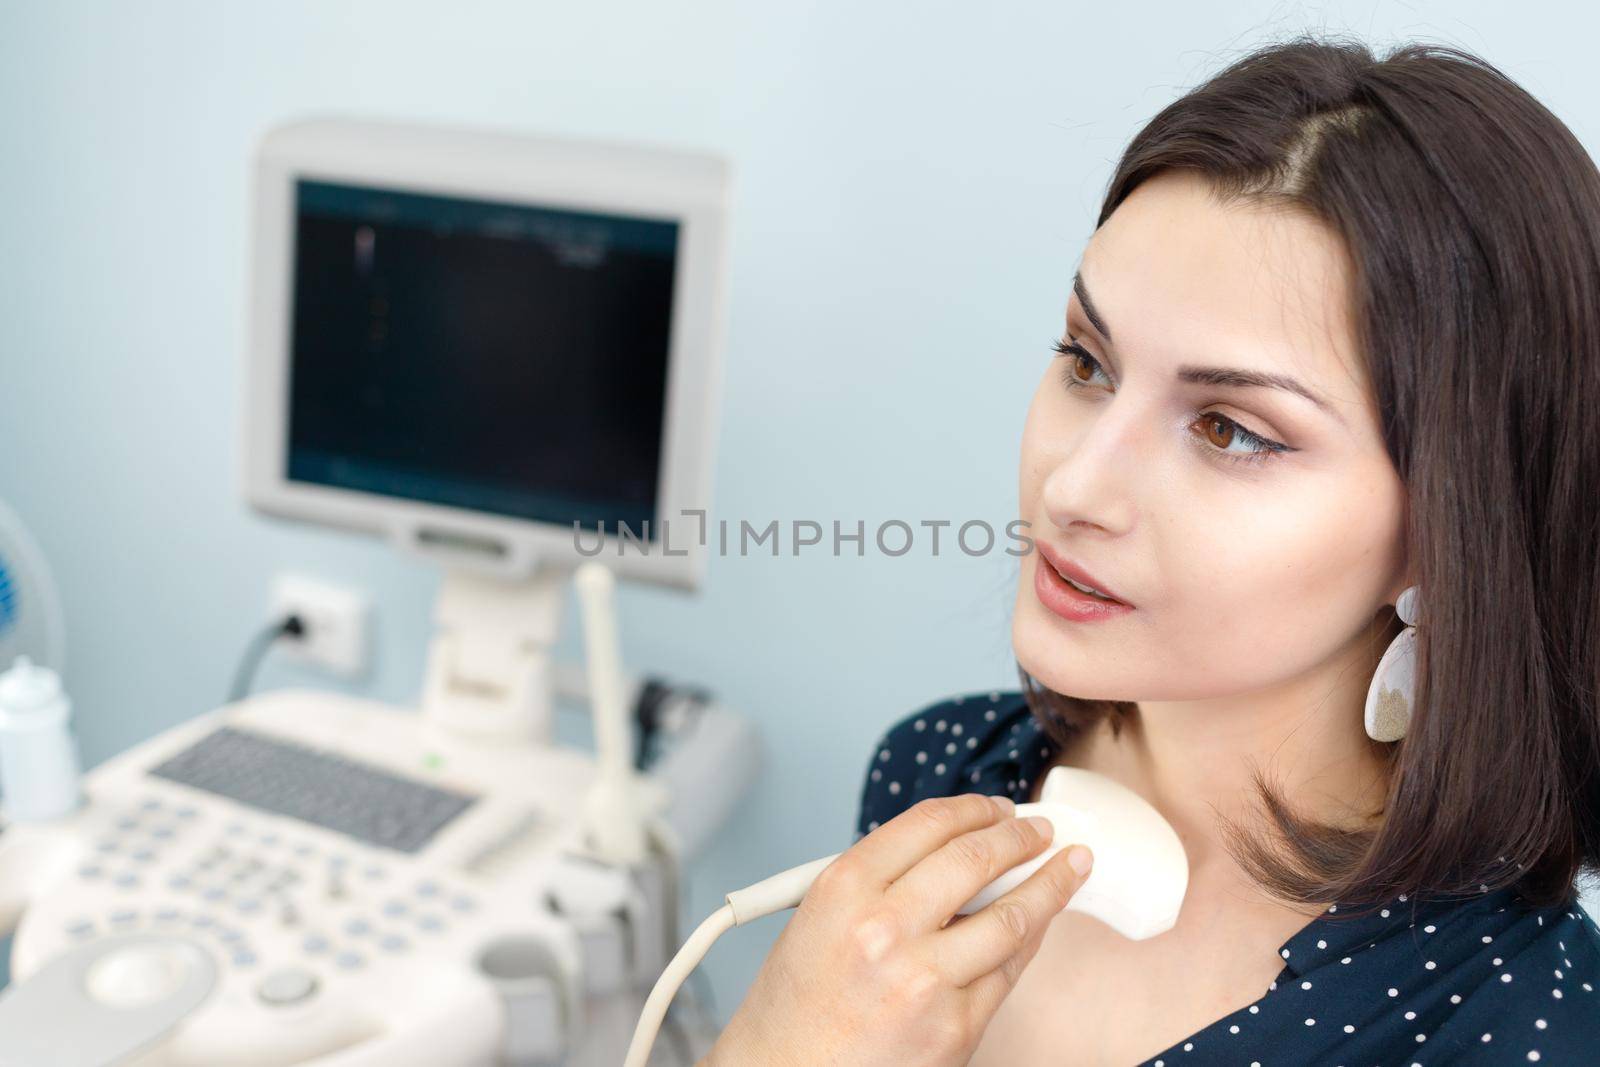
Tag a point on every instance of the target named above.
point(90, 871)
point(394, 943)
point(349, 960)
point(427, 889)
point(244, 958)
point(179, 882)
point(289, 986)
point(431, 923)
point(126, 880)
point(315, 944)
point(80, 928)
point(358, 928)
point(394, 909)
point(464, 904)
point(247, 905)
point(124, 917)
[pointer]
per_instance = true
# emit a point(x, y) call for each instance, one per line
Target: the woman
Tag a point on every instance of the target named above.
point(1332, 350)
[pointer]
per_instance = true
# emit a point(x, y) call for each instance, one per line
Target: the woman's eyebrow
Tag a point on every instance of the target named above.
point(1082, 293)
point(1221, 376)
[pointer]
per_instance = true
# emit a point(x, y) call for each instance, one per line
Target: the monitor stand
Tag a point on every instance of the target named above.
point(489, 666)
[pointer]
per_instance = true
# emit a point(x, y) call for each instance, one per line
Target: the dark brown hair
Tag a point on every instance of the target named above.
point(1472, 218)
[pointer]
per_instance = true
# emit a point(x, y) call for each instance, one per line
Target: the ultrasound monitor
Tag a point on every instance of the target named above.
point(489, 347)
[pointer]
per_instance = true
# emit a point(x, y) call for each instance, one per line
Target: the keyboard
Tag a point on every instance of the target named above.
point(374, 806)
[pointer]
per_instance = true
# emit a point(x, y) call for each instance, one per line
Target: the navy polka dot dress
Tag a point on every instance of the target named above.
point(1480, 979)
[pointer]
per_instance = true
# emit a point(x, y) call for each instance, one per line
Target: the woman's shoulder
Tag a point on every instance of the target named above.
point(984, 741)
point(1538, 997)
point(1478, 979)
point(1486, 979)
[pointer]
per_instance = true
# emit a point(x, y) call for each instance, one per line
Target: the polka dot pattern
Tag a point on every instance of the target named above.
point(1476, 979)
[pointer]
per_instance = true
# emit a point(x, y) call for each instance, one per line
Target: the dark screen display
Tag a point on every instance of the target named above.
point(494, 357)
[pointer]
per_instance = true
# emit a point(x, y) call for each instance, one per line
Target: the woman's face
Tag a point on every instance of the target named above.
point(1246, 566)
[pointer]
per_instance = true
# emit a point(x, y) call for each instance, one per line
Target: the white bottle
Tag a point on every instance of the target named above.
point(39, 773)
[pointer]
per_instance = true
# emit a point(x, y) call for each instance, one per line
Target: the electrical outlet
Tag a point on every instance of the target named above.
point(335, 618)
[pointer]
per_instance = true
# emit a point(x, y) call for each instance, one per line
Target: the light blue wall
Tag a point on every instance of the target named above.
point(915, 182)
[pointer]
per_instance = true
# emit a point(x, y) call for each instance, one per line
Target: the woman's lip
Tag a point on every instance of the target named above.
point(1075, 572)
point(1060, 598)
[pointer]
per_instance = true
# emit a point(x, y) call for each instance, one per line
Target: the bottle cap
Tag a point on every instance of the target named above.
point(29, 687)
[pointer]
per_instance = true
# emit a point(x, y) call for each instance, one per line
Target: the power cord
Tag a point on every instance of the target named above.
point(256, 651)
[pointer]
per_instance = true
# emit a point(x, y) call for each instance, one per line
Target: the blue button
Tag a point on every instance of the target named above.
point(315, 944)
point(349, 960)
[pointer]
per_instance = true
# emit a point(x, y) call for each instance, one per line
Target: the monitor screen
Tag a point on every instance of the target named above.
point(498, 357)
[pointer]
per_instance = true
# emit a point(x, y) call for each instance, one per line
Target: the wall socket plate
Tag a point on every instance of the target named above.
point(336, 624)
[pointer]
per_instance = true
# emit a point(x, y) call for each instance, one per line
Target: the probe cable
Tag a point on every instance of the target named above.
point(783, 890)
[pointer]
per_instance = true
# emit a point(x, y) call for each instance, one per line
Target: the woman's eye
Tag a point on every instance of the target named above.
point(1218, 431)
point(1080, 367)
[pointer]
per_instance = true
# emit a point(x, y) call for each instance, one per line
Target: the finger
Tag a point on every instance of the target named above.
point(954, 873)
point(986, 993)
point(899, 844)
point(967, 951)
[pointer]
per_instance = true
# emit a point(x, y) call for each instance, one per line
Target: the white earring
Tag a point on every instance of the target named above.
point(1392, 694)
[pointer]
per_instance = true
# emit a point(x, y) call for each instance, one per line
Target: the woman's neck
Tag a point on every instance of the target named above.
point(1193, 760)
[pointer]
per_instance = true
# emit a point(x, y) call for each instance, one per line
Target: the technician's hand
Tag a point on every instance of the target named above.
point(870, 970)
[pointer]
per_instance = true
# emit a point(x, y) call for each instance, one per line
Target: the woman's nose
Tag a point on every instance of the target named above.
point(1094, 478)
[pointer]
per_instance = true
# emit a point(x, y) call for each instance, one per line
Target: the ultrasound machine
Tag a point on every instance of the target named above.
point(501, 354)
